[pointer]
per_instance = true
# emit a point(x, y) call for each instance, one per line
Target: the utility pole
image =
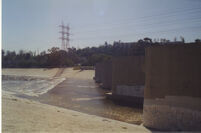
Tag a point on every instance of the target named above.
point(65, 36)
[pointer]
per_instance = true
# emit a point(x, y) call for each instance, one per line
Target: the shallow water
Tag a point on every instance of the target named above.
point(82, 95)
point(31, 86)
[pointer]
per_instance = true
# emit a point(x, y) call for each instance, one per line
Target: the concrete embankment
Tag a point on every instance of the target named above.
point(22, 115)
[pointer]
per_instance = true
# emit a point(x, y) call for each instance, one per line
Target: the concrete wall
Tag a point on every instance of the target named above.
point(107, 74)
point(98, 72)
point(173, 87)
point(103, 74)
point(127, 76)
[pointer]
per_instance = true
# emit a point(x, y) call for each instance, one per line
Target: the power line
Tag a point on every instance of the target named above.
point(159, 23)
point(135, 23)
point(171, 14)
point(152, 32)
point(167, 14)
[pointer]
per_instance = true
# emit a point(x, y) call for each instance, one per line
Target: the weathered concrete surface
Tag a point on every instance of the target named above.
point(175, 70)
point(173, 87)
point(103, 74)
point(128, 76)
point(168, 114)
point(107, 74)
point(22, 115)
point(98, 72)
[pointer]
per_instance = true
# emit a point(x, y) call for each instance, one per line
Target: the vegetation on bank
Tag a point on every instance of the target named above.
point(55, 57)
point(88, 56)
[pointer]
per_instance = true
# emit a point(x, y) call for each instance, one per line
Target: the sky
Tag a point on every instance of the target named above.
point(34, 24)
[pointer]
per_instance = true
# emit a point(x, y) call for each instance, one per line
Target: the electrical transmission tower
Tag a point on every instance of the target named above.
point(65, 33)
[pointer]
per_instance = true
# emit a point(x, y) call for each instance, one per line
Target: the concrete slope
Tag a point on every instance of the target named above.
point(21, 115)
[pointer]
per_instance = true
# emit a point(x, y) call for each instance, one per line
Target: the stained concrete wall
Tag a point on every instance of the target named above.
point(173, 87)
point(103, 74)
point(107, 74)
point(98, 72)
point(128, 76)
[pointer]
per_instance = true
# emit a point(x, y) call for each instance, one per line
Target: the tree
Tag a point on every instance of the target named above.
point(3, 53)
point(197, 40)
point(53, 50)
point(149, 40)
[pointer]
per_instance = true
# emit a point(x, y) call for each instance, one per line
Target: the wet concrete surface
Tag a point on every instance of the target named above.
point(84, 95)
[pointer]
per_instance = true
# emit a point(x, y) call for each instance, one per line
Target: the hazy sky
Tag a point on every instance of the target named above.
point(33, 24)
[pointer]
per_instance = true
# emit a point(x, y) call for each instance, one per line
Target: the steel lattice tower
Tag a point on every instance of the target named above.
point(65, 34)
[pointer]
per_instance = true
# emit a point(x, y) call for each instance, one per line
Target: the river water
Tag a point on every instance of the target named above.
point(82, 95)
point(28, 85)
